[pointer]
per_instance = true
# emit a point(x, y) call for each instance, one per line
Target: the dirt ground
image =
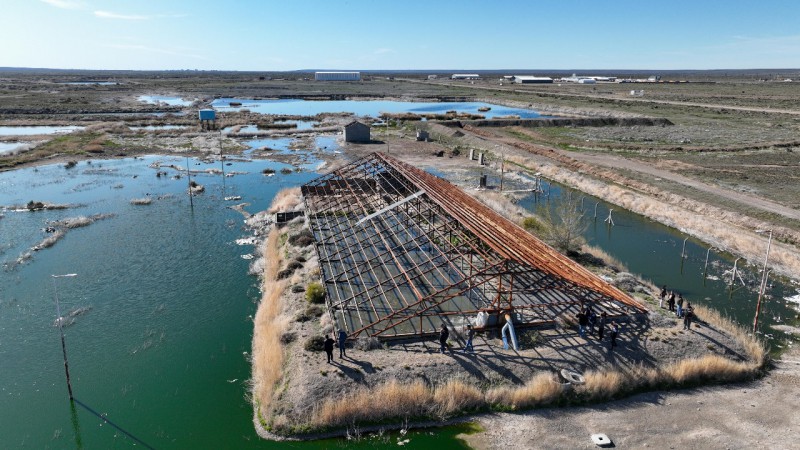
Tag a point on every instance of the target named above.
point(758, 414)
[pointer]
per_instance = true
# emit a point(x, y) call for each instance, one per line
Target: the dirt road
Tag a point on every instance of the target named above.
point(615, 162)
point(755, 415)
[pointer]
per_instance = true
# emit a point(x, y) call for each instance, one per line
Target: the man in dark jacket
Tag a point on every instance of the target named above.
point(444, 334)
point(342, 344)
point(328, 346)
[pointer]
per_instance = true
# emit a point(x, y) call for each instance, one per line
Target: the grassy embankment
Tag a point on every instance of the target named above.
point(419, 401)
point(267, 355)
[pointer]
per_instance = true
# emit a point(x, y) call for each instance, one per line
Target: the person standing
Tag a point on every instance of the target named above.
point(613, 335)
point(470, 336)
point(342, 344)
point(592, 321)
point(679, 313)
point(444, 334)
point(328, 346)
point(688, 315)
point(583, 321)
point(662, 296)
point(671, 301)
point(601, 326)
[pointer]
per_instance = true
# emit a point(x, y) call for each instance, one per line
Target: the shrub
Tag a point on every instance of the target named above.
point(532, 225)
point(302, 238)
point(315, 293)
point(315, 344)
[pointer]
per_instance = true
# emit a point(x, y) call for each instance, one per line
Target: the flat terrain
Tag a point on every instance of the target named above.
point(759, 414)
point(728, 164)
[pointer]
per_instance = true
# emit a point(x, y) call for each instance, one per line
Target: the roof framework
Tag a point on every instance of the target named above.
point(401, 251)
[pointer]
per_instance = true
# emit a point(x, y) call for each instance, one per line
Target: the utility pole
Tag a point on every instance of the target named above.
point(61, 330)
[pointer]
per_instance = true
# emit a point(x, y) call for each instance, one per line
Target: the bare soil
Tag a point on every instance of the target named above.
point(757, 414)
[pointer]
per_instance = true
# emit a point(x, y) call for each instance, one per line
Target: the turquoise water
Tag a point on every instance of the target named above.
point(31, 130)
point(163, 349)
point(372, 108)
point(8, 147)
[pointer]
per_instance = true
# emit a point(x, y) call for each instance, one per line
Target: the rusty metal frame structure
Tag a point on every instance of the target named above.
point(401, 251)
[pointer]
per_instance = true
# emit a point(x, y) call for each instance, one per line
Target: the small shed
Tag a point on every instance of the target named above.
point(208, 119)
point(356, 131)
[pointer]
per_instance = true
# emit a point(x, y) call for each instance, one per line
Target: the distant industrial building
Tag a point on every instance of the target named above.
point(465, 76)
point(337, 76)
point(525, 79)
point(356, 131)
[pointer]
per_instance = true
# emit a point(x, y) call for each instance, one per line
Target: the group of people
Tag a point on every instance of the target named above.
point(329, 343)
point(588, 320)
point(681, 307)
point(444, 335)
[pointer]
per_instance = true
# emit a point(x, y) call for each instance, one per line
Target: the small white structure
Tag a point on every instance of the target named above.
point(432, 77)
point(637, 93)
point(337, 76)
point(587, 81)
point(465, 76)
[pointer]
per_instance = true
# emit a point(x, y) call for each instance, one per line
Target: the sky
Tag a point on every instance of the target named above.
point(285, 35)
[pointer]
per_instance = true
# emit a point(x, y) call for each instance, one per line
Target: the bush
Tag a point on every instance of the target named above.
point(532, 225)
point(315, 293)
point(315, 344)
point(302, 238)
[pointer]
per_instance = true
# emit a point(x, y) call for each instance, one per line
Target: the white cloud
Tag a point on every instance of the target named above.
point(66, 4)
point(113, 15)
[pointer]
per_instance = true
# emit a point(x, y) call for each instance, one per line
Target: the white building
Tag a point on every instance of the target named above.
point(465, 76)
point(525, 79)
point(337, 76)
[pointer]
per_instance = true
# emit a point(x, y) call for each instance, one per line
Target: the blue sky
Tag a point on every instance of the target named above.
point(401, 34)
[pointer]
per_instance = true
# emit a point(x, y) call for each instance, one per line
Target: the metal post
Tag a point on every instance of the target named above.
point(61, 331)
point(221, 158)
point(683, 250)
point(595, 209)
point(189, 175)
point(764, 276)
point(705, 267)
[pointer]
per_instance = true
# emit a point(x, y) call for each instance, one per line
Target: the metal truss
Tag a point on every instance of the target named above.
point(402, 251)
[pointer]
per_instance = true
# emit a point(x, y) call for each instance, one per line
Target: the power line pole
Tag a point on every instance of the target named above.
point(60, 322)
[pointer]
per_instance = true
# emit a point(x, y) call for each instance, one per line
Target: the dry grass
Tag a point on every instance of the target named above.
point(601, 385)
point(756, 350)
point(542, 389)
point(285, 200)
point(268, 327)
point(707, 368)
point(391, 400)
point(601, 254)
point(456, 397)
